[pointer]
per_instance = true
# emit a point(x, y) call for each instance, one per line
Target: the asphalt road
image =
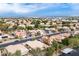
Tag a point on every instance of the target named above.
point(18, 42)
point(25, 40)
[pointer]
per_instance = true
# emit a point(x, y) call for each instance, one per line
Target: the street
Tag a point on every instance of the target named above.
point(25, 40)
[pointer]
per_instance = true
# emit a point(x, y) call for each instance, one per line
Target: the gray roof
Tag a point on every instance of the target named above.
point(75, 52)
point(67, 50)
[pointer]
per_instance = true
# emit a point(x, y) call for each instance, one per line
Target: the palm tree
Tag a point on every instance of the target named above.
point(49, 51)
point(9, 54)
point(56, 47)
point(36, 52)
point(17, 53)
point(3, 51)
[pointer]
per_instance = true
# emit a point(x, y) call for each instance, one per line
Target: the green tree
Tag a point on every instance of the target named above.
point(45, 21)
point(20, 28)
point(74, 41)
point(29, 27)
point(65, 42)
point(37, 23)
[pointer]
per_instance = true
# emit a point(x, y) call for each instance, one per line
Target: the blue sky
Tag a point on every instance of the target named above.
point(38, 9)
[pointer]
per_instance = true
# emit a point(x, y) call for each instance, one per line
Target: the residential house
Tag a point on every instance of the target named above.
point(33, 32)
point(42, 32)
point(22, 25)
point(13, 48)
point(0, 53)
point(58, 37)
point(20, 33)
point(35, 44)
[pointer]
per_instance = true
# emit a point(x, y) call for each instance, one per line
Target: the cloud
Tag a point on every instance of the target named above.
point(19, 8)
point(61, 9)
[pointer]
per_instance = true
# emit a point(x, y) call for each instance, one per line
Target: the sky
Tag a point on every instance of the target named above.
point(38, 9)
